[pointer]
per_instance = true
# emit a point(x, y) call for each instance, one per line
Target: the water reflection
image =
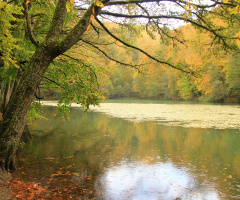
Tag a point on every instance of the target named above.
point(151, 181)
point(118, 159)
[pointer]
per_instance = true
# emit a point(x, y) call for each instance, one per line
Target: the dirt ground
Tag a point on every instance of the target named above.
point(5, 192)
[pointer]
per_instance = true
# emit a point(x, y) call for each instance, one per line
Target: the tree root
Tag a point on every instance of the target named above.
point(8, 166)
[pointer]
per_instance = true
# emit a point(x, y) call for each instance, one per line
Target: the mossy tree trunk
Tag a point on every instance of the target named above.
point(14, 117)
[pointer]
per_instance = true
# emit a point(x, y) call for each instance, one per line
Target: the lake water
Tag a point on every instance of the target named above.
point(137, 150)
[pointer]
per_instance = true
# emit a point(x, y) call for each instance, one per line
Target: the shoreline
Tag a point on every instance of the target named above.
point(5, 190)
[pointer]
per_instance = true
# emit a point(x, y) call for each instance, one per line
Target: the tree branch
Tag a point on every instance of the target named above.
point(160, 30)
point(80, 28)
point(57, 22)
point(129, 2)
point(77, 32)
point(53, 81)
point(105, 54)
point(29, 27)
point(142, 51)
point(142, 16)
point(207, 28)
point(173, 1)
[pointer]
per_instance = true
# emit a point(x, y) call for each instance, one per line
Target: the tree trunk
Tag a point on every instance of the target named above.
point(14, 117)
point(1, 94)
point(7, 95)
point(1, 84)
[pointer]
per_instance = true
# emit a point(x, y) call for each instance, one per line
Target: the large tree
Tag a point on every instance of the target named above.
point(60, 35)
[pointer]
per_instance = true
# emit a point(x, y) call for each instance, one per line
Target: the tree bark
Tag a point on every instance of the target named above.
point(1, 84)
point(13, 119)
point(7, 94)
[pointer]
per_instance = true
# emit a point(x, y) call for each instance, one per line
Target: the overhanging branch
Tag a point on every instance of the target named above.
point(221, 38)
point(205, 6)
point(29, 27)
point(105, 54)
point(160, 30)
point(53, 81)
point(140, 50)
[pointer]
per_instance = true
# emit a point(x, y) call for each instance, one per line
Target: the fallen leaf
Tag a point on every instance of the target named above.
point(68, 166)
point(70, 157)
point(67, 173)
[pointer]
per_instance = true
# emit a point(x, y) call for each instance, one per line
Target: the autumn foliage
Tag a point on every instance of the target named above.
point(215, 71)
point(56, 187)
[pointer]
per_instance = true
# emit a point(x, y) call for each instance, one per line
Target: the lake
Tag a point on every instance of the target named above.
point(137, 150)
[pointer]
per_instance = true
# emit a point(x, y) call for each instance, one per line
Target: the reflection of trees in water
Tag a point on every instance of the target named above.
point(98, 142)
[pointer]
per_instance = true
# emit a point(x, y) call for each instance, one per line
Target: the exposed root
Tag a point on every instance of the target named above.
point(8, 166)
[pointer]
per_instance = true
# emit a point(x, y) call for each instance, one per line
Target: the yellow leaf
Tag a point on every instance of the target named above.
point(72, 2)
point(99, 4)
point(68, 6)
point(225, 1)
point(231, 11)
point(237, 9)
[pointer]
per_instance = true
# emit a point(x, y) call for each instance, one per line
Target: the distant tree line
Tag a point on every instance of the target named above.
point(216, 78)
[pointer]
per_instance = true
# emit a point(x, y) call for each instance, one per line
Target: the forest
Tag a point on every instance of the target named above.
point(217, 77)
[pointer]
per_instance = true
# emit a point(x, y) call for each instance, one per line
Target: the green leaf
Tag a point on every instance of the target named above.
point(68, 6)
point(189, 14)
point(194, 7)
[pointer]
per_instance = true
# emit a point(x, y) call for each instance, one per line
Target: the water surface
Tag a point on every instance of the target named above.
point(104, 156)
point(173, 113)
